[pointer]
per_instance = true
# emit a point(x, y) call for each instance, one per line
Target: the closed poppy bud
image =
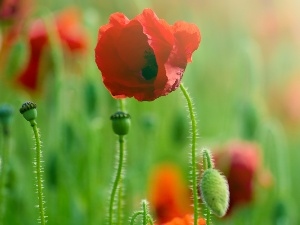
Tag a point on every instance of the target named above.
point(28, 110)
point(215, 191)
point(120, 123)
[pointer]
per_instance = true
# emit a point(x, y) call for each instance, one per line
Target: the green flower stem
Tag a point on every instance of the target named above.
point(135, 215)
point(118, 179)
point(193, 153)
point(120, 203)
point(3, 172)
point(120, 192)
point(150, 220)
point(122, 105)
point(206, 165)
point(145, 213)
point(39, 169)
point(207, 216)
point(206, 160)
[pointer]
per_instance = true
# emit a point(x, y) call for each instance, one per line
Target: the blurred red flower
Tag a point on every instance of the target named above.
point(38, 39)
point(169, 195)
point(71, 35)
point(13, 13)
point(70, 30)
point(291, 103)
point(186, 220)
point(144, 57)
point(241, 163)
point(12, 9)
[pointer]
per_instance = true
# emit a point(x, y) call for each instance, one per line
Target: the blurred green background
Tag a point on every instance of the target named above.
point(245, 83)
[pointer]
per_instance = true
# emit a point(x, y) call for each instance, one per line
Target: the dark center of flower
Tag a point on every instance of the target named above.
point(149, 71)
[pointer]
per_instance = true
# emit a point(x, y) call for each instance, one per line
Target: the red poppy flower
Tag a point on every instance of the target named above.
point(240, 162)
point(186, 220)
point(70, 34)
point(12, 9)
point(70, 30)
point(169, 195)
point(12, 14)
point(144, 57)
point(38, 39)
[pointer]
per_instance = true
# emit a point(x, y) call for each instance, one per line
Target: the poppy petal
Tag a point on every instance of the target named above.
point(132, 48)
point(187, 38)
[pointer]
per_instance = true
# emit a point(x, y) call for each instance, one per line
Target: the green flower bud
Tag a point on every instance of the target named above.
point(5, 114)
point(215, 191)
point(120, 123)
point(28, 109)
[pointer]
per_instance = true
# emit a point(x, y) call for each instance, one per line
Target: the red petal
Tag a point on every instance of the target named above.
point(159, 33)
point(115, 20)
point(187, 38)
point(161, 40)
point(28, 78)
point(38, 36)
point(132, 46)
point(116, 75)
point(70, 31)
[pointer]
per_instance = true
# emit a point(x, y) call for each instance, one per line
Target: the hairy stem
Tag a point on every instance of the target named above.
point(117, 179)
point(207, 164)
point(145, 212)
point(39, 170)
point(150, 220)
point(135, 215)
point(193, 151)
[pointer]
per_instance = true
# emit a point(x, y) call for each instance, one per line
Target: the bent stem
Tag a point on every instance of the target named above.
point(39, 170)
point(193, 151)
point(135, 215)
point(146, 217)
point(117, 180)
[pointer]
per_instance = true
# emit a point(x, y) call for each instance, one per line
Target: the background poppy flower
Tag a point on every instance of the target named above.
point(186, 220)
point(169, 195)
point(70, 34)
point(144, 57)
point(38, 40)
point(241, 163)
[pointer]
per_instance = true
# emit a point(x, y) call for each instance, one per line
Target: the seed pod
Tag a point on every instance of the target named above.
point(120, 123)
point(215, 191)
point(28, 109)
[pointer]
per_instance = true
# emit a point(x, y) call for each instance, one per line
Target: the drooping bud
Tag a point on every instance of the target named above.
point(215, 191)
point(28, 110)
point(121, 123)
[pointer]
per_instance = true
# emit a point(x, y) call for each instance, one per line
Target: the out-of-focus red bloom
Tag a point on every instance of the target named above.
point(38, 40)
point(71, 31)
point(11, 9)
point(284, 103)
point(70, 34)
point(290, 101)
point(241, 163)
point(144, 57)
point(186, 220)
point(169, 195)
point(12, 16)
